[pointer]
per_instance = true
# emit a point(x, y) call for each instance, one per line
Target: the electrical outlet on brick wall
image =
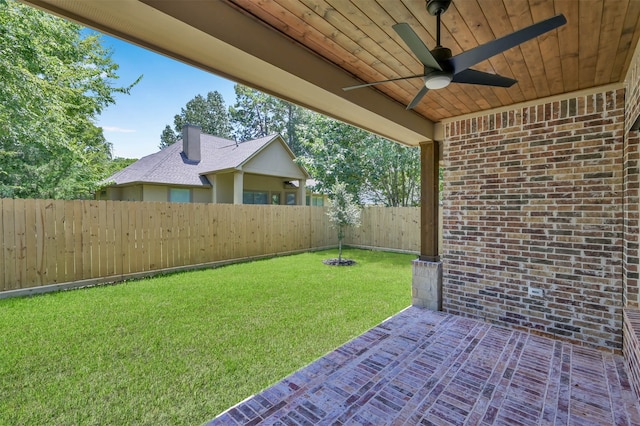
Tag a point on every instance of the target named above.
point(536, 292)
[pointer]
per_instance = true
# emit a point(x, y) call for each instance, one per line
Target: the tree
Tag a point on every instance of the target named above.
point(373, 169)
point(256, 114)
point(53, 83)
point(295, 117)
point(118, 164)
point(343, 212)
point(395, 178)
point(332, 155)
point(209, 113)
point(168, 137)
point(336, 151)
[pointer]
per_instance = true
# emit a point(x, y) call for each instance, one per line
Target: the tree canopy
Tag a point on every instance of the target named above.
point(209, 113)
point(256, 114)
point(54, 81)
point(373, 169)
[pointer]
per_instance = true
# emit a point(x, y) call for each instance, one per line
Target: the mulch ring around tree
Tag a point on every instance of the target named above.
point(335, 262)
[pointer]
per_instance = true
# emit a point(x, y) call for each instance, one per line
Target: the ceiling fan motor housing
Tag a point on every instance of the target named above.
point(442, 56)
point(436, 7)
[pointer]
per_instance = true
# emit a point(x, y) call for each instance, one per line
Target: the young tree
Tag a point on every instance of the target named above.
point(343, 212)
point(53, 83)
point(209, 113)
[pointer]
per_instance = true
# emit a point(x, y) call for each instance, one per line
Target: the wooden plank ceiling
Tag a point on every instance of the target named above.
point(593, 49)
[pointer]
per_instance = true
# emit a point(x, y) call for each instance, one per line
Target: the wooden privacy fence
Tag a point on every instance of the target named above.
point(48, 242)
point(396, 228)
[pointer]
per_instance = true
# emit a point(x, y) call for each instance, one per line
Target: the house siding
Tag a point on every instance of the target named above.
point(131, 193)
point(155, 193)
point(533, 197)
point(274, 161)
point(201, 195)
point(224, 188)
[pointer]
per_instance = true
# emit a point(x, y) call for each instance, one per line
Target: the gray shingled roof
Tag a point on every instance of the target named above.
point(171, 166)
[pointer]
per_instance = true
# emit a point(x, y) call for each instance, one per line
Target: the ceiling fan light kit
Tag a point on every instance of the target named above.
point(440, 68)
point(437, 80)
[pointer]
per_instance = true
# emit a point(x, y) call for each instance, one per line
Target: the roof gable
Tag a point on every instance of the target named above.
point(275, 159)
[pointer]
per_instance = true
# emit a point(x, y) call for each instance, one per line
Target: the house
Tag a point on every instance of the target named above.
point(202, 168)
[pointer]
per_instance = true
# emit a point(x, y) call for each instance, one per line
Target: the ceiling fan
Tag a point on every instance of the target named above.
point(440, 68)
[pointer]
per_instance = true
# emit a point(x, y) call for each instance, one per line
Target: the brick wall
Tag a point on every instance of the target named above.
point(631, 333)
point(533, 197)
point(631, 189)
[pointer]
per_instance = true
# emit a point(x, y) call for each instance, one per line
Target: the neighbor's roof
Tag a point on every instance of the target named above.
point(171, 166)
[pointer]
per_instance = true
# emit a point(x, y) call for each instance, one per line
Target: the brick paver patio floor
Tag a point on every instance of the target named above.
point(424, 367)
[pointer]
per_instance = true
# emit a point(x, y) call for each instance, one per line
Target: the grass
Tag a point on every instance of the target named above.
point(180, 349)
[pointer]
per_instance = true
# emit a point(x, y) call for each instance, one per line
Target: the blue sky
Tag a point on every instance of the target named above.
point(134, 123)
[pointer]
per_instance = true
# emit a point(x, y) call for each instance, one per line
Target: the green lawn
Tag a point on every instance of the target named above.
point(180, 349)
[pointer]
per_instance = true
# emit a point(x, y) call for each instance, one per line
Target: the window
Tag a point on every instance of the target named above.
point(275, 198)
point(291, 198)
point(255, 197)
point(315, 200)
point(179, 195)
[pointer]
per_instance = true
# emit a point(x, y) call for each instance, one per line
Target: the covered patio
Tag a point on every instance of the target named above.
point(432, 368)
point(540, 199)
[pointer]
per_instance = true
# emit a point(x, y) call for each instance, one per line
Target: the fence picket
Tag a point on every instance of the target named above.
point(117, 232)
point(132, 251)
point(155, 248)
point(103, 239)
point(57, 257)
point(51, 244)
point(78, 251)
point(8, 244)
point(68, 255)
point(21, 243)
point(31, 244)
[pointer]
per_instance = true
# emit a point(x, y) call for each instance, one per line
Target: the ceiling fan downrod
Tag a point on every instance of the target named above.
point(437, 8)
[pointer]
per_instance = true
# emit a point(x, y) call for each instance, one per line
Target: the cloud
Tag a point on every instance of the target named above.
point(117, 129)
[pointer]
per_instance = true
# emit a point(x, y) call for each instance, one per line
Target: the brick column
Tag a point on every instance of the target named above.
point(426, 286)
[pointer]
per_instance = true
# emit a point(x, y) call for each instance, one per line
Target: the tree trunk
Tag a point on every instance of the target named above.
point(340, 251)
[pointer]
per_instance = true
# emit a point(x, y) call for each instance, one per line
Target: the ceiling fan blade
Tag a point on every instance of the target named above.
point(416, 100)
point(469, 76)
point(416, 45)
point(380, 82)
point(478, 54)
